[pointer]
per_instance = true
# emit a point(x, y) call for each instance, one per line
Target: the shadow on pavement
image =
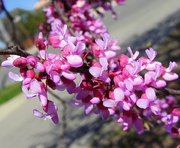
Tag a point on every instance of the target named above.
point(156, 35)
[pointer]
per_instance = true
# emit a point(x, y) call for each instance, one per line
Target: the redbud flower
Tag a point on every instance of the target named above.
point(51, 112)
point(9, 62)
point(20, 62)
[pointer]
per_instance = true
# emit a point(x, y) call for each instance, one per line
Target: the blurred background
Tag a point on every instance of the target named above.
point(19, 22)
point(140, 24)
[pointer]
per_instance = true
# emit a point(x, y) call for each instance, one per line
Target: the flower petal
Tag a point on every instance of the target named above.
point(150, 93)
point(105, 114)
point(15, 77)
point(103, 62)
point(74, 60)
point(118, 94)
point(95, 71)
point(95, 100)
point(37, 113)
point(142, 103)
point(170, 76)
point(88, 108)
point(69, 75)
point(109, 103)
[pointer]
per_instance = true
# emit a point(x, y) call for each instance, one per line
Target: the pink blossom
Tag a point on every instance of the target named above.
point(15, 77)
point(167, 74)
point(9, 62)
point(51, 112)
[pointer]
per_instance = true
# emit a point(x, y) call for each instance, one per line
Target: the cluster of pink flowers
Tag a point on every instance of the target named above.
point(119, 86)
point(80, 16)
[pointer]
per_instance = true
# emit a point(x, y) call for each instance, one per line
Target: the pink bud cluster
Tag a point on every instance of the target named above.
point(119, 86)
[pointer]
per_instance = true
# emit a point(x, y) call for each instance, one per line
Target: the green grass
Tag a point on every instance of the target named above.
point(10, 92)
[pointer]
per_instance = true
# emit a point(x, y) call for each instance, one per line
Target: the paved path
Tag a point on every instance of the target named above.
point(139, 21)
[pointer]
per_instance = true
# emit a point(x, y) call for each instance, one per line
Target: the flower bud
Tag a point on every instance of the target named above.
point(31, 60)
point(39, 44)
point(20, 63)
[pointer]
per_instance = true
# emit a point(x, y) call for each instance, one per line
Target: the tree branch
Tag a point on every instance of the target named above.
point(83, 69)
point(15, 50)
point(11, 19)
point(64, 123)
point(67, 5)
point(56, 96)
point(64, 19)
point(166, 92)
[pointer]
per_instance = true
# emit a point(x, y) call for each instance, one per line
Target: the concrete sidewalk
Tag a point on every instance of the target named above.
point(10, 106)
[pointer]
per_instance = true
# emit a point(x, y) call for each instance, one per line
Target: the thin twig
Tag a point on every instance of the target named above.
point(15, 50)
point(65, 19)
point(64, 123)
point(167, 91)
point(56, 96)
point(64, 118)
point(67, 5)
point(83, 69)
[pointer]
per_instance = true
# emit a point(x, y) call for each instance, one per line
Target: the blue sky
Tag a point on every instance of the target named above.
point(25, 4)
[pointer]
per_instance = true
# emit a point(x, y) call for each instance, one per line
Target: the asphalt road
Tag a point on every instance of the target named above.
point(139, 22)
